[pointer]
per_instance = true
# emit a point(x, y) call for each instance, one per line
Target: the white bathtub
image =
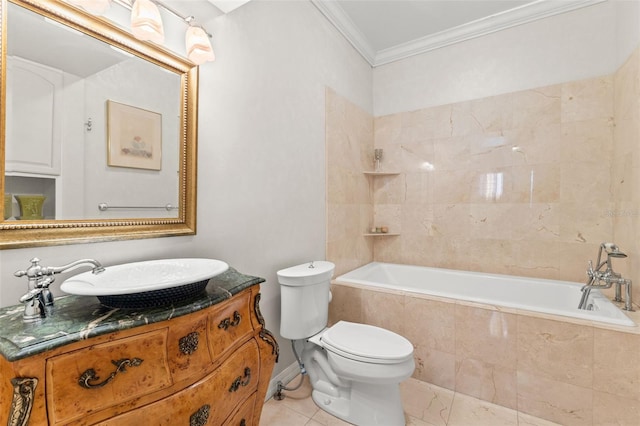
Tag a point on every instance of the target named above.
point(531, 294)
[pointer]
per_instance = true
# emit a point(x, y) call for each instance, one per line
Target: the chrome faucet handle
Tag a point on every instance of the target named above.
point(35, 270)
point(590, 270)
point(45, 282)
point(30, 295)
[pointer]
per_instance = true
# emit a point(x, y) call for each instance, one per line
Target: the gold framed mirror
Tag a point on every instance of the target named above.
point(104, 151)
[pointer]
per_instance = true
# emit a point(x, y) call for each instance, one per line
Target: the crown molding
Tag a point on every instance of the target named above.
point(520, 15)
point(343, 23)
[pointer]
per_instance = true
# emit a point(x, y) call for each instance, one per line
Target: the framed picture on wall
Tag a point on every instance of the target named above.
point(134, 137)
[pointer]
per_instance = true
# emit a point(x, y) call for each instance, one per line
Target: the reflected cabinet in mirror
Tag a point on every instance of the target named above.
point(97, 130)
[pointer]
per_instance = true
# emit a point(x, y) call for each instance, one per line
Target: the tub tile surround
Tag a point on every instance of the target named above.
point(538, 364)
point(625, 170)
point(526, 183)
point(511, 170)
point(349, 203)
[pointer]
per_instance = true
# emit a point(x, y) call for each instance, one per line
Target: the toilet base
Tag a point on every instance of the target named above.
point(366, 405)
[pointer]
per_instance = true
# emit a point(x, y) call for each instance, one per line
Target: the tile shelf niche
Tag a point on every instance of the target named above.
point(381, 234)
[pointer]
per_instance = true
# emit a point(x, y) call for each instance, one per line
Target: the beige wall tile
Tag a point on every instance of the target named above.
point(556, 350)
point(430, 323)
point(466, 411)
point(453, 153)
point(388, 215)
point(528, 420)
point(556, 401)
point(580, 181)
point(426, 402)
point(489, 382)
point(514, 168)
point(388, 189)
point(383, 310)
point(582, 141)
point(436, 367)
point(625, 173)
point(535, 108)
point(349, 147)
point(626, 87)
point(615, 410)
point(346, 304)
point(616, 361)
point(591, 225)
point(486, 335)
point(587, 99)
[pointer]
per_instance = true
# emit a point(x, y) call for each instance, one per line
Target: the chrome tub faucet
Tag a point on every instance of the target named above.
point(38, 300)
point(605, 279)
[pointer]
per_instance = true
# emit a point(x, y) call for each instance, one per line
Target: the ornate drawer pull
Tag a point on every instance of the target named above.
point(200, 417)
point(227, 322)
point(121, 367)
point(189, 343)
point(23, 398)
point(239, 382)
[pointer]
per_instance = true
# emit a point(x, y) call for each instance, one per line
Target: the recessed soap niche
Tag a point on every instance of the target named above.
point(18, 185)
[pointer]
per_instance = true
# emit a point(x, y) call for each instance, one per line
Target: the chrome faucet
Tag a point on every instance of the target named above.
point(38, 300)
point(603, 280)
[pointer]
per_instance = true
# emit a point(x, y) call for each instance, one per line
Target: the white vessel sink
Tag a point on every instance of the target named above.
point(146, 284)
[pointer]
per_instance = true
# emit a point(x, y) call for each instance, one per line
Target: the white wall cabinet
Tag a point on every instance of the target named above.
point(33, 132)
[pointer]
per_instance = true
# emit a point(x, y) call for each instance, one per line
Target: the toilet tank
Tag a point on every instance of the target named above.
point(304, 299)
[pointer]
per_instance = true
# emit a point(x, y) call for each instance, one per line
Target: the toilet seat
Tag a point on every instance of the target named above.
point(366, 343)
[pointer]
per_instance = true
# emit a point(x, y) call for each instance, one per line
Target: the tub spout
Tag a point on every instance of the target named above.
point(604, 280)
point(628, 301)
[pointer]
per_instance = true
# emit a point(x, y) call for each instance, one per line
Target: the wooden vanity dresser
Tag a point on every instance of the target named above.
point(204, 361)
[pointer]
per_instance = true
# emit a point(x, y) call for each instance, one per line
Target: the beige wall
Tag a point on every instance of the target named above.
point(520, 183)
point(625, 167)
point(573, 372)
point(527, 183)
point(349, 144)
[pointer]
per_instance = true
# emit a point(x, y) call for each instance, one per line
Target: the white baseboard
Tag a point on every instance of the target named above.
point(285, 376)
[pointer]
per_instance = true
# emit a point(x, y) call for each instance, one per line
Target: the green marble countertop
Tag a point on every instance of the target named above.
point(78, 318)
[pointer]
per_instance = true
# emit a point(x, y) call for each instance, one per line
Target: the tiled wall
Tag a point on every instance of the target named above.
point(570, 372)
point(517, 183)
point(625, 167)
point(349, 144)
point(526, 183)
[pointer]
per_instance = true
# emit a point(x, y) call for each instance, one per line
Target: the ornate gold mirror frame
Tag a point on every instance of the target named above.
point(31, 233)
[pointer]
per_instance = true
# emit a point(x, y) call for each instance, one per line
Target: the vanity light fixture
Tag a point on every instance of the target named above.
point(146, 24)
point(198, 46)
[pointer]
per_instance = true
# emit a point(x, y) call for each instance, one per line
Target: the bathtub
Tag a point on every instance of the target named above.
point(530, 294)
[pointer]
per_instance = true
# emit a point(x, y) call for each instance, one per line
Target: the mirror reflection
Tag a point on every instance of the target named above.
point(92, 132)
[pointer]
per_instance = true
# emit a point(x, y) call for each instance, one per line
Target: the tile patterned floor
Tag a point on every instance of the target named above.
point(424, 405)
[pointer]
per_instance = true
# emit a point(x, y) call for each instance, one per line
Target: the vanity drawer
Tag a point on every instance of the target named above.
point(104, 375)
point(207, 402)
point(229, 324)
point(244, 416)
point(187, 347)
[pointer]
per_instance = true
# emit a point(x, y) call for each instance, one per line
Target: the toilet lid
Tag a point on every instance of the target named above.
point(366, 342)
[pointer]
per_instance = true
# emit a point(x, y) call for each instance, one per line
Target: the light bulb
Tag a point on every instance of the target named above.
point(146, 23)
point(199, 48)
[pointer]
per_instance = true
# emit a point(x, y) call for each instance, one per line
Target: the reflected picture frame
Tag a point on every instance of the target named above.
point(134, 137)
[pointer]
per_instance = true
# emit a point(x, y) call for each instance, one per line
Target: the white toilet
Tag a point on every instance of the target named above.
point(354, 369)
